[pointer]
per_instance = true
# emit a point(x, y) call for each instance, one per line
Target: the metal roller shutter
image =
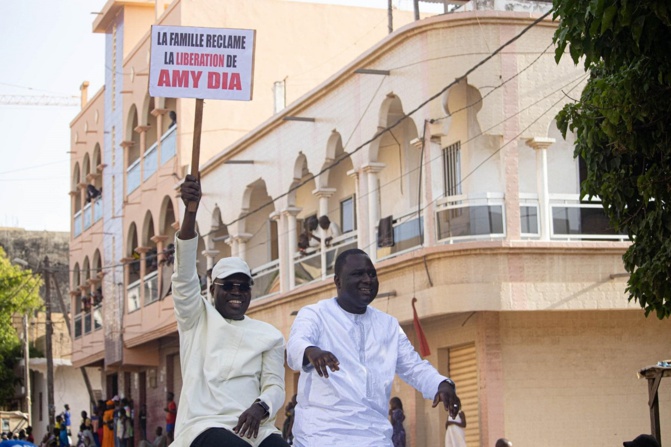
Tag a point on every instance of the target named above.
point(463, 370)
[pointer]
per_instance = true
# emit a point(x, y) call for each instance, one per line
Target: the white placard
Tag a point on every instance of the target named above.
point(205, 63)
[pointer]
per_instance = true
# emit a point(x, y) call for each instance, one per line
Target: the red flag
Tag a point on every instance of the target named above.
point(423, 344)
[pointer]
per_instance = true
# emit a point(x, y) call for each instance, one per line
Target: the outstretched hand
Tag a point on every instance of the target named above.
point(448, 395)
point(249, 421)
point(321, 360)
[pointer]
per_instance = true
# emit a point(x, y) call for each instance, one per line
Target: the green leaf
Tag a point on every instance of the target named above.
point(608, 16)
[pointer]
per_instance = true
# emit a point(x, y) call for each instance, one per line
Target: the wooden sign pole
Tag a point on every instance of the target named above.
point(195, 153)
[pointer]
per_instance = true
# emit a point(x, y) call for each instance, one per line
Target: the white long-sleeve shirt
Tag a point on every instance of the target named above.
point(351, 406)
point(226, 364)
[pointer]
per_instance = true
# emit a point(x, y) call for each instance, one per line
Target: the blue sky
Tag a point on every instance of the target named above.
point(41, 43)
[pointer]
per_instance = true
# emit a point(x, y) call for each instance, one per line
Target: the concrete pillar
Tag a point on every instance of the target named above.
point(540, 145)
point(371, 170)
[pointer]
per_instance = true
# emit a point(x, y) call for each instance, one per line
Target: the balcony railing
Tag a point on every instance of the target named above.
point(151, 287)
point(470, 217)
point(97, 209)
point(86, 214)
point(315, 264)
point(408, 234)
point(133, 176)
point(97, 317)
point(168, 145)
point(133, 293)
point(87, 322)
point(266, 279)
point(150, 162)
point(78, 223)
point(572, 219)
point(78, 326)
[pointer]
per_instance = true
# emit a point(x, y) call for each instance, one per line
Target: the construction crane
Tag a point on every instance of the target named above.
point(39, 100)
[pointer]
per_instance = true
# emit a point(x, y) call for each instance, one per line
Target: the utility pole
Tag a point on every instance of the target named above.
point(390, 16)
point(416, 4)
point(26, 367)
point(66, 317)
point(49, 335)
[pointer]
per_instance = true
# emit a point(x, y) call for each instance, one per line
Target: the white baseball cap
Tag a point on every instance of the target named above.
point(230, 266)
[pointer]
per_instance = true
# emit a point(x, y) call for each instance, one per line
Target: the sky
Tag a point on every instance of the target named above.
point(41, 43)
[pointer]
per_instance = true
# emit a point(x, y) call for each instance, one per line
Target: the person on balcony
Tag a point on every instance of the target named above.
point(92, 193)
point(327, 230)
point(364, 348)
point(232, 365)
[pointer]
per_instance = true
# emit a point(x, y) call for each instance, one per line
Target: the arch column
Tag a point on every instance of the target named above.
point(360, 209)
point(323, 194)
point(540, 146)
point(210, 261)
point(238, 243)
point(371, 170)
point(289, 278)
point(126, 145)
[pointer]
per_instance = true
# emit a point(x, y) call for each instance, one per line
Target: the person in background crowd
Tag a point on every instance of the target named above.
point(142, 415)
point(108, 425)
point(63, 438)
point(29, 434)
point(396, 417)
point(67, 419)
point(503, 442)
point(161, 439)
point(454, 431)
point(170, 416)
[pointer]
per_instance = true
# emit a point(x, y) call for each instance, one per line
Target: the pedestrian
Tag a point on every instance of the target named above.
point(396, 417)
point(232, 365)
point(454, 431)
point(364, 348)
point(142, 416)
point(108, 425)
point(170, 416)
point(29, 434)
point(503, 442)
point(161, 439)
point(67, 419)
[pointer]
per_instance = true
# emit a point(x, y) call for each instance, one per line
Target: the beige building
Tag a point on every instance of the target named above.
point(459, 187)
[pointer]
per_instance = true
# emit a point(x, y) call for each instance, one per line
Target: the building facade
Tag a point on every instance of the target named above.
point(450, 174)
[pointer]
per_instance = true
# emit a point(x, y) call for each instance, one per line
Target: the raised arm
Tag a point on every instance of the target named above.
point(190, 192)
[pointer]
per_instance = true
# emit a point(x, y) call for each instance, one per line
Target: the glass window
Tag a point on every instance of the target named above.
point(452, 169)
point(348, 215)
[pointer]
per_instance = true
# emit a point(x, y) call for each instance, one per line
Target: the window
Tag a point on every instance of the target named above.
point(452, 169)
point(348, 215)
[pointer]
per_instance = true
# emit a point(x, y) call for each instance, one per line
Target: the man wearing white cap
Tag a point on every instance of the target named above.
point(232, 365)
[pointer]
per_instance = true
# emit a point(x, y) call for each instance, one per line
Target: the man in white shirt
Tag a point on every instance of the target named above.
point(363, 348)
point(232, 365)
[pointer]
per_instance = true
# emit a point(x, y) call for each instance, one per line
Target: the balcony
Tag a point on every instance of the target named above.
point(575, 220)
point(97, 209)
point(316, 264)
point(151, 287)
point(77, 332)
point(470, 217)
point(150, 162)
point(133, 294)
point(408, 234)
point(86, 214)
point(266, 279)
point(168, 145)
point(133, 176)
point(77, 223)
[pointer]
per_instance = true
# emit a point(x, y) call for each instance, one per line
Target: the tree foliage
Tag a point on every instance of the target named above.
point(622, 124)
point(19, 294)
